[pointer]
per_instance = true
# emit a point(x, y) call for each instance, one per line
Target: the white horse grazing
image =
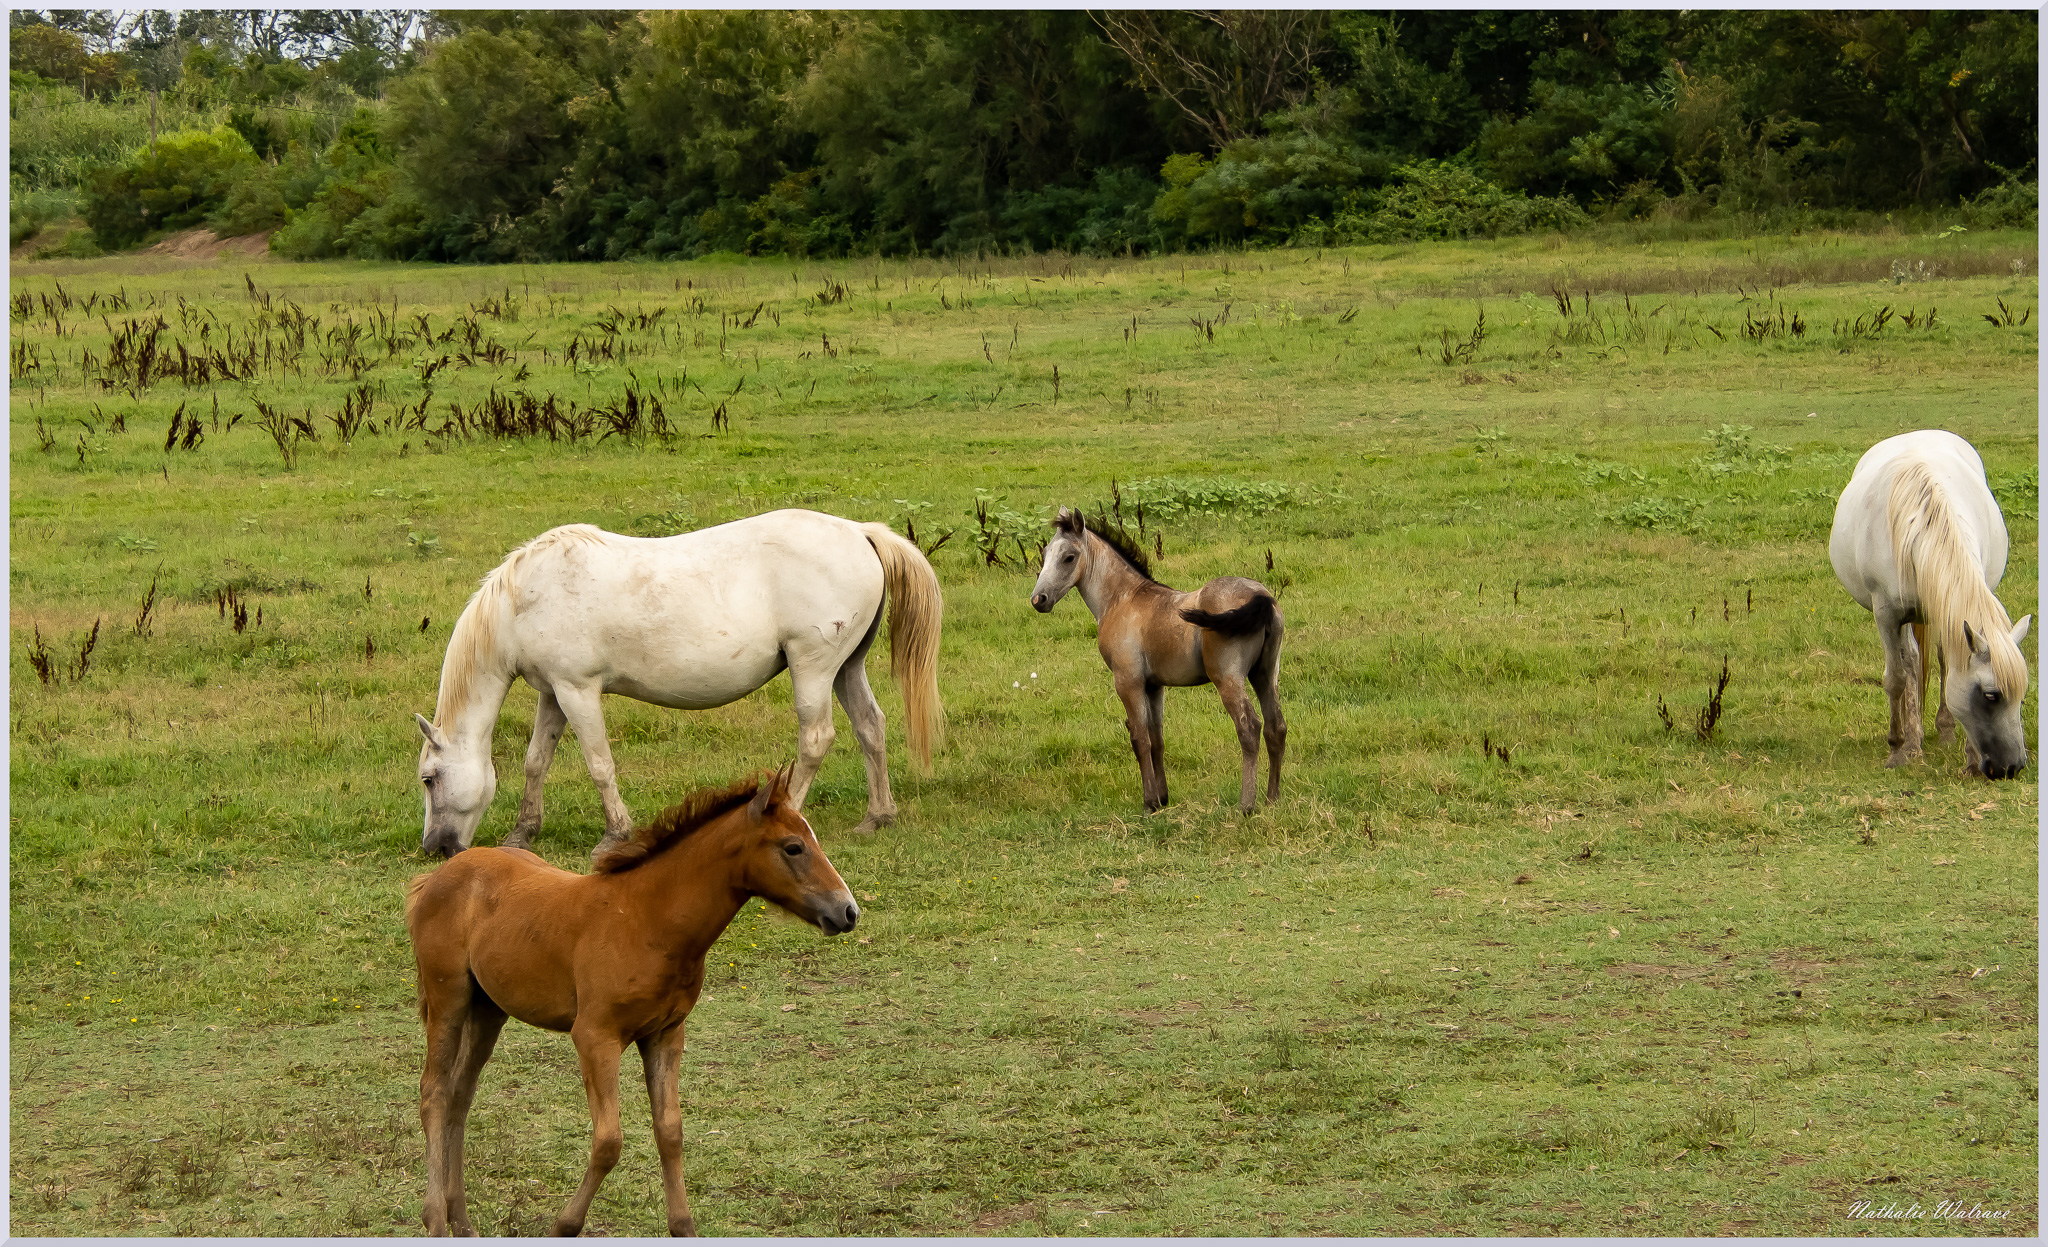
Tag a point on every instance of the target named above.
point(1919, 542)
point(690, 622)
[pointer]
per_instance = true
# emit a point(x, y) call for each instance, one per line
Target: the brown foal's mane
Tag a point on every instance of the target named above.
point(1115, 538)
point(674, 823)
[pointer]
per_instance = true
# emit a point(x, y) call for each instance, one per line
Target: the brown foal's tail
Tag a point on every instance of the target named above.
point(1254, 616)
point(915, 608)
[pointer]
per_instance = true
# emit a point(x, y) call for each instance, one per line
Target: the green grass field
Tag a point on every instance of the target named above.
point(1509, 956)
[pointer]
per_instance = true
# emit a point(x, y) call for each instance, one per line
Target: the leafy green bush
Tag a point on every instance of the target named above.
point(2019, 495)
point(1583, 141)
point(54, 138)
point(1172, 497)
point(1652, 513)
point(184, 181)
point(1431, 199)
point(1269, 188)
point(1736, 453)
point(29, 211)
point(358, 208)
point(2011, 204)
point(1110, 215)
point(266, 196)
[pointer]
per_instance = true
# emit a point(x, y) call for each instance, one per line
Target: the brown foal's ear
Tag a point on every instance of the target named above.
point(772, 791)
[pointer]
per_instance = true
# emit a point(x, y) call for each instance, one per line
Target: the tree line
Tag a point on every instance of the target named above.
point(591, 134)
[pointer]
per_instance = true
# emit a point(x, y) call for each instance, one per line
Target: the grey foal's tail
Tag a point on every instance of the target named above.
point(1254, 616)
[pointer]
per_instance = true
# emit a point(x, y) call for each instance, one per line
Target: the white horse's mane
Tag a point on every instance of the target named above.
point(474, 642)
point(1939, 568)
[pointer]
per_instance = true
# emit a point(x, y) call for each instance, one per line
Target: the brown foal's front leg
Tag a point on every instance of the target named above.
point(1155, 708)
point(1138, 720)
point(598, 1054)
point(661, 1057)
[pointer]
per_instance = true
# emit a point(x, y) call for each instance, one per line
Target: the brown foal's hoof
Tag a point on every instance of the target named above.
point(683, 1227)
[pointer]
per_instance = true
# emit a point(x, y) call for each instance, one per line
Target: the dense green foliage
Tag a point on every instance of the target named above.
point(592, 134)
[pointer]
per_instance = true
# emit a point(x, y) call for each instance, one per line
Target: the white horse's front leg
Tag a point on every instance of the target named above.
point(548, 722)
point(583, 708)
point(1901, 686)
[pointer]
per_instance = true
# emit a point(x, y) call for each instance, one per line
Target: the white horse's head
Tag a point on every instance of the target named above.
point(1066, 561)
point(458, 784)
point(1984, 693)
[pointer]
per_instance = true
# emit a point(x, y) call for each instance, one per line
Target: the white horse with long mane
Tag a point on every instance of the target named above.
point(1919, 542)
point(691, 621)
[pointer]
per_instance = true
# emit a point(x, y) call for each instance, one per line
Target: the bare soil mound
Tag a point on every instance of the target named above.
point(204, 244)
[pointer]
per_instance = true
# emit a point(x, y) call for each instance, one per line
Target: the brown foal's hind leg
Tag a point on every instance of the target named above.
point(446, 996)
point(598, 1053)
point(1238, 704)
point(661, 1056)
point(548, 722)
point(479, 1036)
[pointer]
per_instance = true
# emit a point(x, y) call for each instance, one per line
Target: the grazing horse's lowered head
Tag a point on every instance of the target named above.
point(1985, 692)
point(458, 785)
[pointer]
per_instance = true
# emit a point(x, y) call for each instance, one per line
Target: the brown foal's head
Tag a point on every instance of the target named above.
point(781, 862)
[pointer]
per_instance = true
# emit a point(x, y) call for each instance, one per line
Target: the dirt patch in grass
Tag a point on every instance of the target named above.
point(204, 244)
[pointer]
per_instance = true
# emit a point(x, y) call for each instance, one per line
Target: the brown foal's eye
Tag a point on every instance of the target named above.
point(794, 848)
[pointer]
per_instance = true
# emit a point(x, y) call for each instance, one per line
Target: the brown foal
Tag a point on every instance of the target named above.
point(612, 957)
point(1227, 632)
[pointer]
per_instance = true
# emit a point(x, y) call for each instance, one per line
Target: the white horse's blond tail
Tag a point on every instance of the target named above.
point(915, 609)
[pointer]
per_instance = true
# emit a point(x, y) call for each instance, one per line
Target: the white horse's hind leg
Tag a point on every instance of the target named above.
point(548, 722)
point(1901, 686)
point(584, 710)
point(869, 724)
point(811, 684)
